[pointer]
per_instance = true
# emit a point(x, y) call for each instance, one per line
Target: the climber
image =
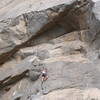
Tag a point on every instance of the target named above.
point(44, 74)
point(43, 77)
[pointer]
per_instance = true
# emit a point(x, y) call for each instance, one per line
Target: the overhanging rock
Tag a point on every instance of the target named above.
point(16, 33)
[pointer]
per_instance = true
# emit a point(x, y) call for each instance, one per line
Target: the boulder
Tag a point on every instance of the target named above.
point(34, 75)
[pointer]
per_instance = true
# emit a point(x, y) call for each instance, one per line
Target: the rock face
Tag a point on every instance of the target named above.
point(67, 64)
point(61, 36)
point(73, 94)
point(11, 75)
point(22, 30)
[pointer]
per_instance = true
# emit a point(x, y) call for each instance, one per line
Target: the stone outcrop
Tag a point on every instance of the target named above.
point(11, 75)
point(73, 94)
point(22, 30)
point(67, 63)
point(61, 36)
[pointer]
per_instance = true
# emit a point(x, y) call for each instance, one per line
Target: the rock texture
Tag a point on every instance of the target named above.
point(68, 66)
point(73, 94)
point(61, 36)
point(19, 31)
